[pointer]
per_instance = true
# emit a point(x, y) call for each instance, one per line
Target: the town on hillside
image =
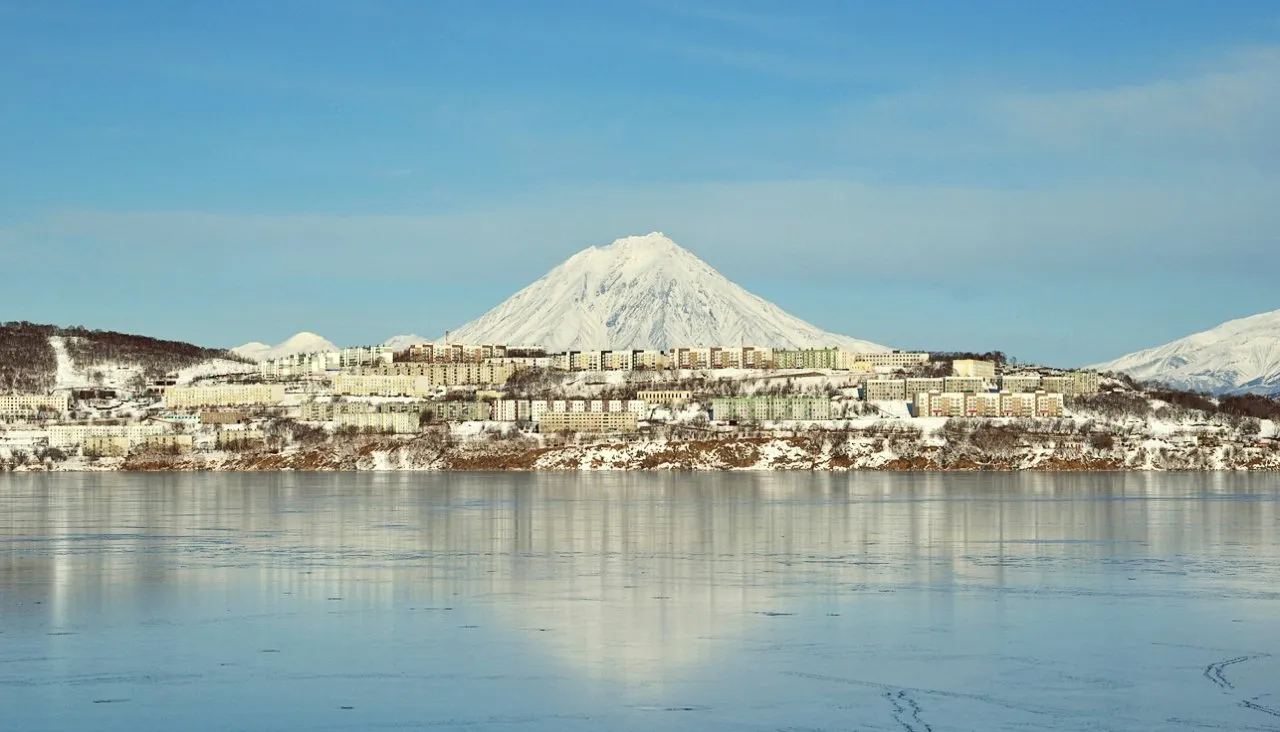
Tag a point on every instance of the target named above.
point(378, 390)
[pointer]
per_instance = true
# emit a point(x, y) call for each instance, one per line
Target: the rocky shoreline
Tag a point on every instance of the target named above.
point(823, 452)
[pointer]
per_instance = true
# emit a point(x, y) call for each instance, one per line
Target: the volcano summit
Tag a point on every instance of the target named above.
point(642, 292)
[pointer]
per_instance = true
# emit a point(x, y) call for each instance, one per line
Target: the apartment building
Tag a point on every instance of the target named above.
point(188, 397)
point(447, 374)
point(511, 410)
point(223, 417)
point(300, 365)
point(1049, 405)
point(586, 360)
point(649, 360)
point(973, 368)
point(239, 439)
point(988, 404)
point(939, 404)
point(690, 358)
point(396, 422)
point(886, 390)
point(454, 411)
point(28, 406)
point(439, 411)
point(365, 356)
point(106, 446)
point(381, 385)
point(665, 397)
point(726, 409)
point(889, 359)
point(809, 358)
point(966, 384)
point(74, 435)
point(615, 360)
point(588, 422)
point(456, 352)
point(916, 385)
point(523, 362)
point(539, 407)
point(1086, 382)
point(169, 444)
point(1018, 383)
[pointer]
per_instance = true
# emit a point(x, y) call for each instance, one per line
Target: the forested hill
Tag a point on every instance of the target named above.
point(29, 363)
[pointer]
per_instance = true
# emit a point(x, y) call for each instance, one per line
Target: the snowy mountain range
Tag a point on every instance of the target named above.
point(642, 292)
point(301, 343)
point(1238, 356)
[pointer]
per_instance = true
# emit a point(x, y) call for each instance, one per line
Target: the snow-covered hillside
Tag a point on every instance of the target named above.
point(642, 292)
point(1238, 356)
point(123, 374)
point(301, 343)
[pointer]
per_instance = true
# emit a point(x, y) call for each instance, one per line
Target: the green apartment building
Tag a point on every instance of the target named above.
point(769, 409)
point(808, 358)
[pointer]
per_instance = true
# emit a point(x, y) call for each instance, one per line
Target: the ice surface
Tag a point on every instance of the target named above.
point(637, 602)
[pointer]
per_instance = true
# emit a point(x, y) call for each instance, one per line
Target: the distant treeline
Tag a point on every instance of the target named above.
point(28, 362)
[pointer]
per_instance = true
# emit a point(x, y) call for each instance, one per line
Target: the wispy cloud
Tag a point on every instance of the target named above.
point(1235, 103)
point(1223, 113)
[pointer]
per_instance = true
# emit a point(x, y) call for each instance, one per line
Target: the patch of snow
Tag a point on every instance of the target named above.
point(66, 376)
point(642, 292)
point(212, 368)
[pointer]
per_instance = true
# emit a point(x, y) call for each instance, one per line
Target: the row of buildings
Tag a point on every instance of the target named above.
point(987, 404)
point(688, 358)
point(1076, 383)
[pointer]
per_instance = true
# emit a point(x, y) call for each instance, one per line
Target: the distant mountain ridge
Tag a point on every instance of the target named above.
point(642, 292)
point(1240, 355)
point(303, 342)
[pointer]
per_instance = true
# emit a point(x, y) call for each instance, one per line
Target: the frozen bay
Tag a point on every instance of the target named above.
point(775, 601)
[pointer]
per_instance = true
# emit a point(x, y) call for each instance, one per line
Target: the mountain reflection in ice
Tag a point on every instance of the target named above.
point(591, 601)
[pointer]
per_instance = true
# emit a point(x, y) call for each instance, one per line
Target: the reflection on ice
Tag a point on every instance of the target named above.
point(748, 600)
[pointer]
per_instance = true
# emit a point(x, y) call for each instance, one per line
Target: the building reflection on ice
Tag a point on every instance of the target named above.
point(620, 575)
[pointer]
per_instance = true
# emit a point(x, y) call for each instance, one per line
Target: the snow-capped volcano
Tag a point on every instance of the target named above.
point(642, 292)
point(301, 343)
point(1237, 356)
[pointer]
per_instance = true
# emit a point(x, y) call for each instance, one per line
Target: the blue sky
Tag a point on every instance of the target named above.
point(1064, 181)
